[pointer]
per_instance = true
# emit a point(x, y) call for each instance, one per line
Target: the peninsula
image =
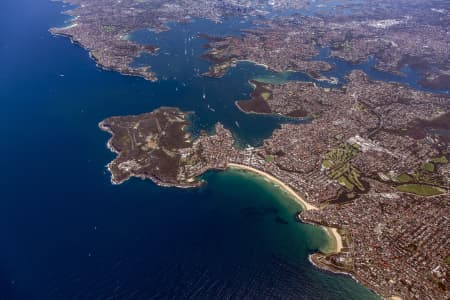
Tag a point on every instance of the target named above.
point(102, 27)
point(396, 34)
point(373, 163)
point(374, 158)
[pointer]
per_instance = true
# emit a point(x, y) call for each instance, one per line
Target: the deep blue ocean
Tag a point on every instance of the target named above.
point(67, 233)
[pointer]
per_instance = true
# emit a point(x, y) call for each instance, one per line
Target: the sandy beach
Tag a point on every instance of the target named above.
point(337, 239)
point(332, 232)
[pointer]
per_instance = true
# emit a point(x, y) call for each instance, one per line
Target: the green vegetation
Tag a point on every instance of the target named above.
point(356, 146)
point(440, 160)
point(350, 173)
point(404, 178)
point(342, 154)
point(340, 168)
point(429, 167)
point(265, 95)
point(447, 260)
point(327, 164)
point(421, 189)
point(345, 182)
point(425, 175)
point(269, 158)
point(360, 107)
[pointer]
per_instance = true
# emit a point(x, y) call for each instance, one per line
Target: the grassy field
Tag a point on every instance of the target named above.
point(429, 167)
point(340, 168)
point(340, 155)
point(440, 160)
point(269, 158)
point(421, 189)
point(404, 178)
point(425, 175)
point(265, 95)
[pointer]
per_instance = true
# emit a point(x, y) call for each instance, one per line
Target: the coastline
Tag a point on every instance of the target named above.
point(335, 238)
point(149, 77)
point(305, 205)
point(269, 68)
point(114, 181)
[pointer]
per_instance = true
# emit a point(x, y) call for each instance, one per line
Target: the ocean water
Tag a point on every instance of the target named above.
point(67, 233)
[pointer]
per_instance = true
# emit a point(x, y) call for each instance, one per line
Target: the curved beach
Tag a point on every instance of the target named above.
point(331, 231)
